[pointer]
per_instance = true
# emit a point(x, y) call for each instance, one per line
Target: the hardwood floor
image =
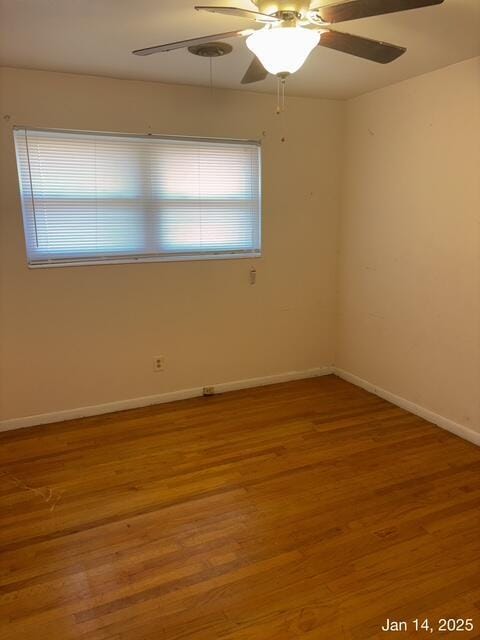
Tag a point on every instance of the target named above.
point(309, 509)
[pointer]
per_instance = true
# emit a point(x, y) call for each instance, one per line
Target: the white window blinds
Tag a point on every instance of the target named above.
point(90, 197)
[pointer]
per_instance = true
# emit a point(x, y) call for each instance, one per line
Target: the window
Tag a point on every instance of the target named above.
point(91, 198)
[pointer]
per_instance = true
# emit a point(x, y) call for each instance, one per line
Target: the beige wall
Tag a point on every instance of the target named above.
point(80, 336)
point(408, 282)
point(409, 268)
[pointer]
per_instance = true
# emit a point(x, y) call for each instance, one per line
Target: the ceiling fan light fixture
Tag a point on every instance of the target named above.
point(283, 50)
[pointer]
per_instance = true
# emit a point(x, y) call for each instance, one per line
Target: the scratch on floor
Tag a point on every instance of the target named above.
point(48, 494)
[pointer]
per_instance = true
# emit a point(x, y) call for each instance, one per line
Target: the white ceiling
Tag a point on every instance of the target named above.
point(97, 37)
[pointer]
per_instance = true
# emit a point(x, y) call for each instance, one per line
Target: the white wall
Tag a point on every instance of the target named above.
point(409, 266)
point(78, 336)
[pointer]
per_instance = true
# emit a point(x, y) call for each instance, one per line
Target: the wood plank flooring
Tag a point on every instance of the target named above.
point(309, 509)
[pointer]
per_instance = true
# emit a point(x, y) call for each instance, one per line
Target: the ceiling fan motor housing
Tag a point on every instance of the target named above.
point(271, 7)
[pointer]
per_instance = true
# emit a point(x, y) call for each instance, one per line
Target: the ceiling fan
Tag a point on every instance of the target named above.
point(290, 29)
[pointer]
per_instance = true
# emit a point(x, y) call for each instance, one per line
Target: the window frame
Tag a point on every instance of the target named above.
point(137, 258)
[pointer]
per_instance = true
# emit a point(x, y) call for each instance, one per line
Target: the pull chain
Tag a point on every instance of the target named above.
point(280, 111)
point(211, 76)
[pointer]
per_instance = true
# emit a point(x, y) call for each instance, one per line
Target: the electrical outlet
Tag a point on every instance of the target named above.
point(208, 391)
point(159, 363)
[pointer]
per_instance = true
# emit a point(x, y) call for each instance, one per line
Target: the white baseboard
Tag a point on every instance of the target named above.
point(445, 423)
point(145, 401)
point(133, 403)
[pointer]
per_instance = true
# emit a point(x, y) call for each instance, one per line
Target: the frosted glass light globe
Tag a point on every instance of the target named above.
point(282, 50)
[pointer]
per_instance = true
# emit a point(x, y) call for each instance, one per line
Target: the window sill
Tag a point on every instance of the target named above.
point(143, 260)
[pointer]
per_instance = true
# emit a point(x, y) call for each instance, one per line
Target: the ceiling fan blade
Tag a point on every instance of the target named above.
point(374, 50)
point(255, 72)
point(355, 9)
point(188, 43)
point(240, 13)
